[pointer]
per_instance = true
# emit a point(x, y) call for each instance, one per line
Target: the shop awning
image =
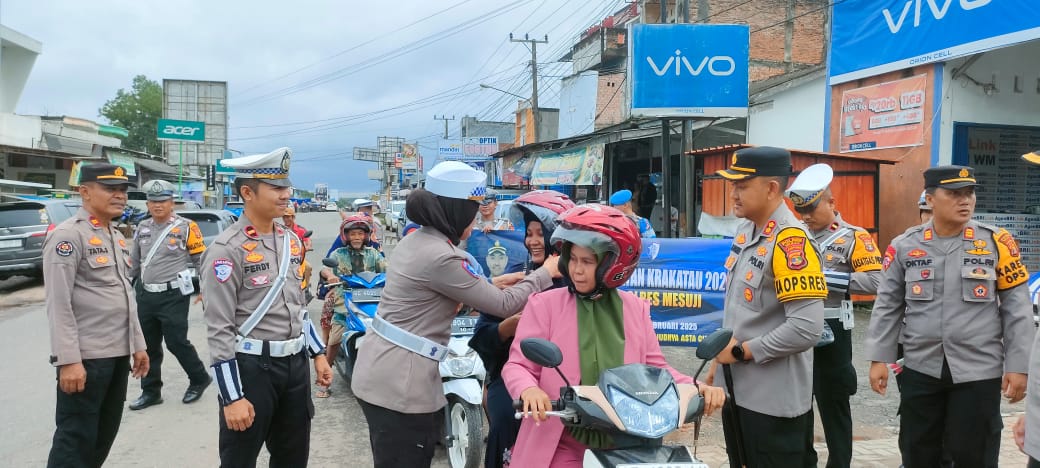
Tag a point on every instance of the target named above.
point(157, 167)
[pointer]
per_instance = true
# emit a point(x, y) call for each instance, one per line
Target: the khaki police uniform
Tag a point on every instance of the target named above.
point(852, 264)
point(962, 314)
point(92, 316)
point(774, 293)
point(163, 310)
point(400, 389)
point(269, 365)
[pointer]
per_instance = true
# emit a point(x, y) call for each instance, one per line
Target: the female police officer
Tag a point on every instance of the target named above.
point(396, 378)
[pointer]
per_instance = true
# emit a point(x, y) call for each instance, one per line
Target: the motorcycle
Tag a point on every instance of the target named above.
point(636, 404)
point(361, 293)
point(463, 375)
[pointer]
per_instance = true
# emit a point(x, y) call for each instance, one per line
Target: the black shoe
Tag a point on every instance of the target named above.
point(194, 391)
point(144, 401)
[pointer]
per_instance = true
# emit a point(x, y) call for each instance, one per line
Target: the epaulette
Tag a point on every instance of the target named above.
point(224, 237)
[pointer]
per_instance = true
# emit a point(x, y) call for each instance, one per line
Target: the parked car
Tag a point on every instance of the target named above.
point(211, 223)
point(179, 205)
point(23, 227)
point(394, 215)
point(331, 206)
point(235, 208)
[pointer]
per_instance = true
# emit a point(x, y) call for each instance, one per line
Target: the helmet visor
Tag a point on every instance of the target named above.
point(598, 242)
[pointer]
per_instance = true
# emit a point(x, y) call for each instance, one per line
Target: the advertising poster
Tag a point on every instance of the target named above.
point(886, 115)
point(576, 166)
point(684, 280)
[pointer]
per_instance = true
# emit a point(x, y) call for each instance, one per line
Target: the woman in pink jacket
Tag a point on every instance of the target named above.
point(596, 327)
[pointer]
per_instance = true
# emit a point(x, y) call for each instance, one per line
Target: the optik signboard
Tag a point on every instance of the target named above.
point(181, 130)
point(872, 37)
point(689, 70)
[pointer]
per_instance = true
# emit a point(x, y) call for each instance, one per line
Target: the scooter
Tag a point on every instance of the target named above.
point(463, 375)
point(636, 403)
point(361, 294)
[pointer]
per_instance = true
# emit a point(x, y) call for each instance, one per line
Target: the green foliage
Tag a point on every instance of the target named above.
point(138, 111)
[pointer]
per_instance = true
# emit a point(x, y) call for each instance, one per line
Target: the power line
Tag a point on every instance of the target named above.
point(395, 53)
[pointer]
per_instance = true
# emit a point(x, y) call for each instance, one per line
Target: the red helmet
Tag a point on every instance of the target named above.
point(605, 230)
point(542, 206)
point(354, 222)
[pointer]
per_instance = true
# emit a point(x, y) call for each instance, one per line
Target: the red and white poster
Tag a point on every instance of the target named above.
point(886, 115)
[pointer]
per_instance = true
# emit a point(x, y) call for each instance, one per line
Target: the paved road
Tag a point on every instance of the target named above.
point(178, 435)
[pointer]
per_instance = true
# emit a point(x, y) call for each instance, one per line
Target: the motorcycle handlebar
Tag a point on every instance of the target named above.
point(568, 415)
point(556, 405)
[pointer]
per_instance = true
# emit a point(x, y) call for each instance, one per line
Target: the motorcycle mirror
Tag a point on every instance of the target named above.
point(714, 344)
point(308, 234)
point(330, 262)
point(542, 352)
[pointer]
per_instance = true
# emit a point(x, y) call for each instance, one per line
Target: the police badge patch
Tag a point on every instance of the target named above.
point(470, 269)
point(64, 248)
point(222, 268)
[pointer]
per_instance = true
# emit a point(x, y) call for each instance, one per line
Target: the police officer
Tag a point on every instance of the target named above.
point(1027, 429)
point(852, 265)
point(774, 305)
point(924, 210)
point(260, 337)
point(396, 377)
point(164, 247)
point(954, 292)
point(93, 320)
point(486, 220)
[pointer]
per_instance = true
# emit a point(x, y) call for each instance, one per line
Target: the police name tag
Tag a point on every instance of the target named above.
point(848, 319)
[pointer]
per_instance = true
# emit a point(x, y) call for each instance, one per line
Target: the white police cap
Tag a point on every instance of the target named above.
point(807, 189)
point(922, 203)
point(158, 190)
point(454, 179)
point(271, 168)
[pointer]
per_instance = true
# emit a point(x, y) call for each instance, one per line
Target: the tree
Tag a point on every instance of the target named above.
point(138, 111)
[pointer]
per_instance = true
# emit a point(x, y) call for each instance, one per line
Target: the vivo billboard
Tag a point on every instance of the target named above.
point(689, 70)
point(871, 37)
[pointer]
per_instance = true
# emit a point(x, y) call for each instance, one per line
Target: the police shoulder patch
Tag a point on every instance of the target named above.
point(469, 268)
point(64, 248)
point(890, 256)
point(222, 268)
point(796, 267)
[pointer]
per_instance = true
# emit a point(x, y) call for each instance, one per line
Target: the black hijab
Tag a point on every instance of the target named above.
point(450, 216)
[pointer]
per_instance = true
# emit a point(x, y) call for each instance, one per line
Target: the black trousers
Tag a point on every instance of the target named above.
point(1033, 463)
point(834, 381)
point(280, 391)
point(937, 414)
point(164, 316)
point(87, 422)
point(503, 427)
point(769, 441)
point(401, 439)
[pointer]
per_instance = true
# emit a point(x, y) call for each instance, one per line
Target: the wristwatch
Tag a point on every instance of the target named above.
point(738, 351)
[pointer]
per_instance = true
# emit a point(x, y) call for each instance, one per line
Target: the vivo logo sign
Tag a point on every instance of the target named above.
point(938, 8)
point(716, 65)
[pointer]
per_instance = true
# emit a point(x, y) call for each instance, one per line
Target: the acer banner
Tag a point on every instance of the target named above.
point(871, 37)
point(689, 70)
point(886, 115)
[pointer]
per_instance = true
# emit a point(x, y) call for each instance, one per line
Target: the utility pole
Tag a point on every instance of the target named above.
point(534, 78)
point(445, 119)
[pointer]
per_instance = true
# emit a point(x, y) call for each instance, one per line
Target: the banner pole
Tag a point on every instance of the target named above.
point(180, 172)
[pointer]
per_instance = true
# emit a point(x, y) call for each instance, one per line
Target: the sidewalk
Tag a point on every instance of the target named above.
point(883, 453)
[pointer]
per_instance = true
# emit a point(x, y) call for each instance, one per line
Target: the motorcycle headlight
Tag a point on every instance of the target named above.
point(650, 421)
point(461, 366)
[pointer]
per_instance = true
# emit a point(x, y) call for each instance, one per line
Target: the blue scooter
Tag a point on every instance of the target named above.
point(361, 294)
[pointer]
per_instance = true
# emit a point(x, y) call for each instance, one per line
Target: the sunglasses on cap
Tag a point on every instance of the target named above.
point(806, 209)
point(487, 201)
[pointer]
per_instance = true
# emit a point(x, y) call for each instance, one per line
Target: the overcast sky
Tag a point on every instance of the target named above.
point(292, 66)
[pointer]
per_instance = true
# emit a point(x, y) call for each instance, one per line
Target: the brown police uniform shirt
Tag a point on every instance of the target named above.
point(425, 283)
point(961, 299)
point(183, 246)
point(90, 303)
point(774, 303)
point(853, 252)
point(238, 269)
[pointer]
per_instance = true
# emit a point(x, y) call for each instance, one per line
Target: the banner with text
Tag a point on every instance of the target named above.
point(498, 252)
point(572, 166)
point(886, 115)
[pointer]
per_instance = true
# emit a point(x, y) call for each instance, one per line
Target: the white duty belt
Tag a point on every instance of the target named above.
point(407, 340)
point(276, 349)
point(843, 313)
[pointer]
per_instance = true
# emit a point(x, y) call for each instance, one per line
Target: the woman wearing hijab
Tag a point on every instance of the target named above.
point(396, 378)
point(492, 336)
point(596, 327)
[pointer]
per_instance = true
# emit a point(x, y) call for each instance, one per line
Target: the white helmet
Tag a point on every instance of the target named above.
point(922, 203)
